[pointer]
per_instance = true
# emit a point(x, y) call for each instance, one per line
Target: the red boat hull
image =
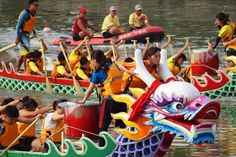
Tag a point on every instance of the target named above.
point(155, 33)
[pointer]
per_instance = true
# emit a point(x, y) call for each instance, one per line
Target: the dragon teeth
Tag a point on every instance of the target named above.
point(193, 129)
point(159, 117)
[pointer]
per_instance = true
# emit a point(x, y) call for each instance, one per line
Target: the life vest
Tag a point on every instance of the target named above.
point(134, 81)
point(39, 64)
point(76, 28)
point(73, 61)
point(112, 85)
point(9, 135)
point(29, 133)
point(29, 24)
point(87, 72)
point(56, 136)
point(54, 72)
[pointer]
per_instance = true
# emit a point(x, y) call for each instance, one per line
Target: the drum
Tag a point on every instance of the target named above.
point(81, 119)
point(203, 61)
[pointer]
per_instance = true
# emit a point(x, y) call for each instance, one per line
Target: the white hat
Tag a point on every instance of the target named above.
point(113, 8)
point(138, 7)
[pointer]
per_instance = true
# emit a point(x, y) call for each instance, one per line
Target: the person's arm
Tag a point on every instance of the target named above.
point(81, 26)
point(181, 51)
point(79, 46)
point(35, 113)
point(87, 94)
point(145, 19)
point(217, 42)
point(62, 71)
point(25, 120)
point(233, 41)
point(121, 67)
point(94, 29)
point(35, 69)
point(148, 44)
point(57, 117)
point(81, 74)
point(166, 43)
point(23, 17)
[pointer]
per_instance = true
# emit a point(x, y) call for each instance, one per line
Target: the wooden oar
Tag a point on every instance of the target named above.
point(76, 84)
point(135, 43)
point(86, 44)
point(125, 50)
point(7, 47)
point(113, 50)
point(10, 46)
point(10, 145)
point(48, 85)
point(189, 49)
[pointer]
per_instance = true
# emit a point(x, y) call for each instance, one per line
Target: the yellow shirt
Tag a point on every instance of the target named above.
point(61, 69)
point(33, 66)
point(225, 33)
point(73, 58)
point(81, 74)
point(173, 68)
point(135, 20)
point(109, 22)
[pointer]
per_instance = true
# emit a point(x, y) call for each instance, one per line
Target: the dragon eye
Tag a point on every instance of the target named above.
point(177, 106)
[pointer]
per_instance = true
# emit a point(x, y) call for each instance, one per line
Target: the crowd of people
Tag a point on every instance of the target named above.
point(100, 68)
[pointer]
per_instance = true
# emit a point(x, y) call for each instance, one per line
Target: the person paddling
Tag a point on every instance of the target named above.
point(226, 32)
point(138, 20)
point(25, 26)
point(81, 25)
point(111, 24)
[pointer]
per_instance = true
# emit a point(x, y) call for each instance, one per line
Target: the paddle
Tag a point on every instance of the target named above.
point(76, 84)
point(113, 50)
point(135, 43)
point(110, 50)
point(10, 145)
point(11, 46)
point(125, 50)
point(86, 44)
point(48, 85)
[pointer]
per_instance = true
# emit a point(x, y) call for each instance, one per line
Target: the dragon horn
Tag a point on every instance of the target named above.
point(141, 70)
point(164, 71)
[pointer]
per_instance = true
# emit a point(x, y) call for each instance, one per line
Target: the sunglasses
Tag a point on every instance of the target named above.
point(113, 10)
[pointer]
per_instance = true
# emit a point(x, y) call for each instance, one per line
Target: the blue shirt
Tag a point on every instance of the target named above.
point(24, 16)
point(98, 76)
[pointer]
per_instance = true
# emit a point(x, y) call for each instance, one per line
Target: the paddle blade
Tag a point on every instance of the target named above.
point(77, 87)
point(48, 86)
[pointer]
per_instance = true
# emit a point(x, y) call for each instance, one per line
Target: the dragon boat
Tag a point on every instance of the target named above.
point(11, 80)
point(158, 115)
point(209, 79)
point(153, 32)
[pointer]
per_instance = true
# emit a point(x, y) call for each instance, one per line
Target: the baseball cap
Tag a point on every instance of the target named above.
point(113, 8)
point(82, 10)
point(138, 7)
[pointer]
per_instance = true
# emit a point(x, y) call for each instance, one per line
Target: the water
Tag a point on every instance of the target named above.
point(181, 18)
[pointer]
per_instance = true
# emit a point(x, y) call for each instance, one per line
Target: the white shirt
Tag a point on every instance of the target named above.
point(49, 124)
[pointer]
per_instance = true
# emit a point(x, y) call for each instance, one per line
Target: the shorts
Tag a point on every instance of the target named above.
point(231, 52)
point(24, 45)
point(106, 34)
point(76, 37)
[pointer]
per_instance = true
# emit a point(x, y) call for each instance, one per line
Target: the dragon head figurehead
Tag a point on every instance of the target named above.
point(173, 108)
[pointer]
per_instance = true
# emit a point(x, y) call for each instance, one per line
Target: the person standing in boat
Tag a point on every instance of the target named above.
point(25, 26)
point(226, 32)
point(138, 20)
point(111, 25)
point(108, 77)
point(81, 25)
